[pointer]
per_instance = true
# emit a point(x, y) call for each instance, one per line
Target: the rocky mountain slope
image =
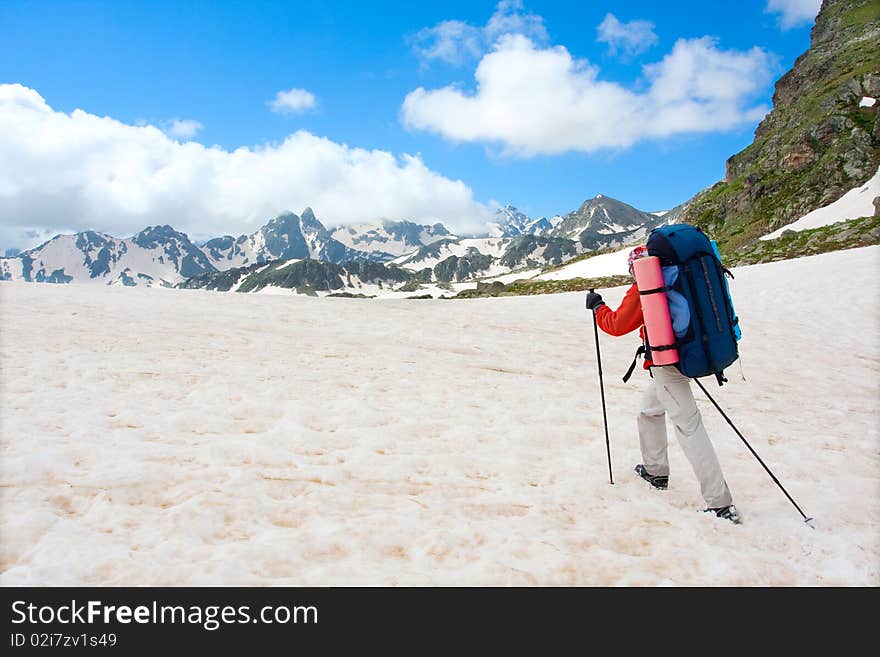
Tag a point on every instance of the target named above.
point(303, 277)
point(821, 139)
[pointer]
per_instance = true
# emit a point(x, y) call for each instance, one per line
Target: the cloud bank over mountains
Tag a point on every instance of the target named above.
point(62, 171)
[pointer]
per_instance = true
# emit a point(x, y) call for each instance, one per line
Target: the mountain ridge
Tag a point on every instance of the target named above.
point(161, 255)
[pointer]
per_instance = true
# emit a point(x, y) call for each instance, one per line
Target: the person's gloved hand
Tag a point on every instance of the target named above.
point(594, 300)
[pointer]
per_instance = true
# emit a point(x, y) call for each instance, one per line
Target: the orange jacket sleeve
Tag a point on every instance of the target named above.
point(628, 317)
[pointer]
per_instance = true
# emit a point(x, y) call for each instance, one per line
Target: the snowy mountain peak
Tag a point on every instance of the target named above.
point(287, 236)
point(283, 221)
point(510, 222)
point(307, 218)
point(603, 221)
point(152, 236)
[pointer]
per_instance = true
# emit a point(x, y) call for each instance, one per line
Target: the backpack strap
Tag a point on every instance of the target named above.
point(712, 300)
point(698, 307)
point(664, 347)
point(632, 367)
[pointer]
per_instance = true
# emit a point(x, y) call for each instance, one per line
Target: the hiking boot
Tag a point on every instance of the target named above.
point(726, 512)
point(660, 482)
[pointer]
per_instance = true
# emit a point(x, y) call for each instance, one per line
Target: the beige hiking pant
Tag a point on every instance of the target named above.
point(670, 393)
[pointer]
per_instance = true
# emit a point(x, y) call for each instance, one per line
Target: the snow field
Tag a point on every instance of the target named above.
point(173, 437)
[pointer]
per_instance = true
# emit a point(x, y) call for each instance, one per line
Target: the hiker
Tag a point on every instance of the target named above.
point(669, 392)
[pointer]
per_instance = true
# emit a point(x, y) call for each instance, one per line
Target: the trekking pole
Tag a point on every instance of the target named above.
point(602, 389)
point(755, 454)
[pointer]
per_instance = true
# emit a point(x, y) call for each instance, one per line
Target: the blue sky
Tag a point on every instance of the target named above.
point(221, 64)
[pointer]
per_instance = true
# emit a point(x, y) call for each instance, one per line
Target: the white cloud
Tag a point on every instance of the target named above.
point(292, 101)
point(630, 38)
point(510, 18)
point(794, 13)
point(534, 100)
point(457, 42)
point(453, 42)
point(59, 171)
point(184, 128)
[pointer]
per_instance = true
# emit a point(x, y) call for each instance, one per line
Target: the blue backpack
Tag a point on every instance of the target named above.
point(706, 326)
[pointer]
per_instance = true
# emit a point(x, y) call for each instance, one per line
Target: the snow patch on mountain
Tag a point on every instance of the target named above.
point(389, 239)
point(607, 264)
point(439, 251)
point(858, 202)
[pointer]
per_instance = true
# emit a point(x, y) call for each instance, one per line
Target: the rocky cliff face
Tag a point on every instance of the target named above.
point(819, 141)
